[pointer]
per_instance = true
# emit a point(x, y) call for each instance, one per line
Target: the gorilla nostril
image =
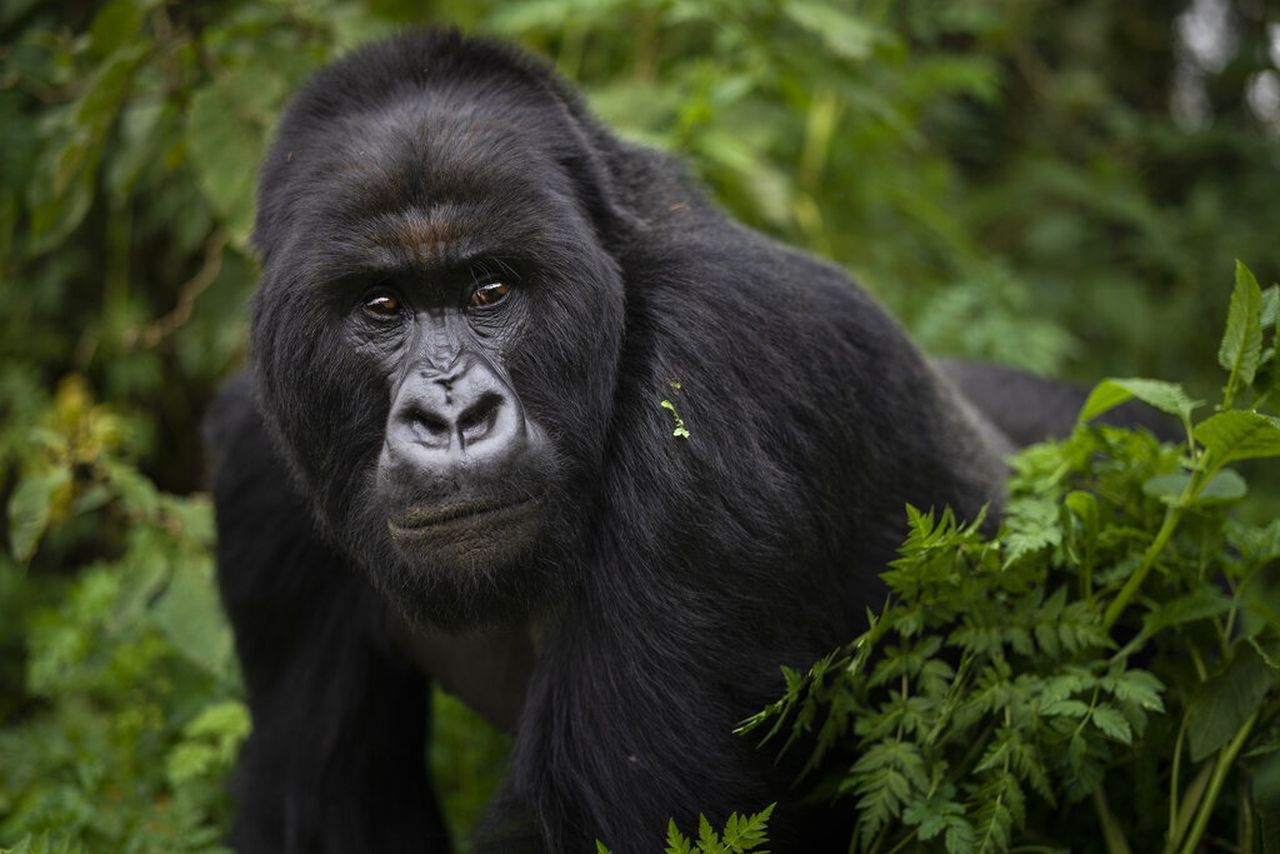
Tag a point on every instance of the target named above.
point(477, 420)
point(434, 424)
point(427, 427)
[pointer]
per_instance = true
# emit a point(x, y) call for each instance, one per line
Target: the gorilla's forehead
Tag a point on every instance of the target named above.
point(413, 155)
point(407, 183)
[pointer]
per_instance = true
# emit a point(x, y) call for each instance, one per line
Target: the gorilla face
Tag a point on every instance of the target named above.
point(463, 470)
point(438, 332)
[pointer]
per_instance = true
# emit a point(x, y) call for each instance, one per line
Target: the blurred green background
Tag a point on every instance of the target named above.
point(1057, 185)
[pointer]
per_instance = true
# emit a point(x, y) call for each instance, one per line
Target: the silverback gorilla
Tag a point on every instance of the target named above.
point(449, 461)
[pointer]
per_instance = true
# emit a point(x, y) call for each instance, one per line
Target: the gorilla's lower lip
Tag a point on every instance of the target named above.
point(421, 518)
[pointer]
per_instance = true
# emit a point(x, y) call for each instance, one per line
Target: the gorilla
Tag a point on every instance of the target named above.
point(527, 416)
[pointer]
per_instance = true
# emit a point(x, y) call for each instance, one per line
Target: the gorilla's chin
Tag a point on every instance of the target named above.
point(482, 535)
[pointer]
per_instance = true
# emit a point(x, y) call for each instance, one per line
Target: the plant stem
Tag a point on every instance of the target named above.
point(1173, 781)
point(1187, 807)
point(1220, 771)
point(1130, 589)
point(1111, 832)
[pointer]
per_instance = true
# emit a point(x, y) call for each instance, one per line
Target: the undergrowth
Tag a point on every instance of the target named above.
point(1102, 672)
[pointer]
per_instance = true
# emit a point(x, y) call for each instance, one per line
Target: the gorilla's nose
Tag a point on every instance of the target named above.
point(467, 412)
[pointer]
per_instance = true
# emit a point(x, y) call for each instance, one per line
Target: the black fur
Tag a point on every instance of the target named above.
point(668, 579)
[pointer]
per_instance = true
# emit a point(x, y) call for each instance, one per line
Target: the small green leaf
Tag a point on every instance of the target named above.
point(708, 839)
point(101, 101)
point(1239, 435)
point(1241, 345)
point(1139, 687)
point(681, 432)
point(677, 843)
point(1165, 396)
point(844, 34)
point(31, 508)
point(1065, 708)
point(1108, 718)
point(747, 832)
point(932, 816)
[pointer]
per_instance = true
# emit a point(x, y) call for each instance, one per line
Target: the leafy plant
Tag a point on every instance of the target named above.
point(1113, 650)
point(742, 833)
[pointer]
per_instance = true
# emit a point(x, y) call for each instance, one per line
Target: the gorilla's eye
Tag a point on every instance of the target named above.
point(382, 305)
point(489, 294)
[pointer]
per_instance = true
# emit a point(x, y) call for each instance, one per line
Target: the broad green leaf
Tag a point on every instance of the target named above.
point(143, 127)
point(1226, 485)
point(515, 19)
point(845, 35)
point(146, 572)
point(227, 128)
point(54, 215)
point(1110, 393)
point(97, 108)
point(31, 508)
point(1239, 435)
point(1226, 701)
point(62, 192)
point(1203, 603)
point(112, 27)
point(1242, 341)
point(191, 618)
point(137, 493)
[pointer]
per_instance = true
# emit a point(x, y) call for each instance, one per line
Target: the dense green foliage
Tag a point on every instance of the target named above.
point(1008, 175)
point(1112, 650)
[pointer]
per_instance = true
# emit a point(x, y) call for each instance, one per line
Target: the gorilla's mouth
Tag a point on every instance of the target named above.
point(430, 520)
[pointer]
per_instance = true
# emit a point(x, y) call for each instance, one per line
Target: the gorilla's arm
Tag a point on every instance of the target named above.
point(336, 758)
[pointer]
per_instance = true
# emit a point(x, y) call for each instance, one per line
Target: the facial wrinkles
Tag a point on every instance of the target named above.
point(441, 335)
